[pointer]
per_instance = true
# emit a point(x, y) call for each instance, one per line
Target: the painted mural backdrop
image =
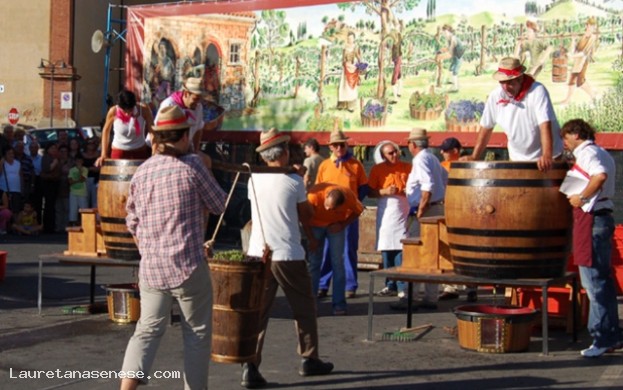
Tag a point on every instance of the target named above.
point(386, 65)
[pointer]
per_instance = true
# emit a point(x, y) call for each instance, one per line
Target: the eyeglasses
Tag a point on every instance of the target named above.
point(339, 145)
point(392, 153)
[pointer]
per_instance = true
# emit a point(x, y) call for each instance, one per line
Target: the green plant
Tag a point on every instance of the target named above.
point(230, 255)
point(428, 101)
point(324, 122)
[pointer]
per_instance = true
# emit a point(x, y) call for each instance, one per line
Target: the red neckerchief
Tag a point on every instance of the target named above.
point(125, 118)
point(177, 99)
point(525, 87)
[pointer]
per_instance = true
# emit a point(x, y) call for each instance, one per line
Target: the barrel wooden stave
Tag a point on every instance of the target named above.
point(507, 220)
point(112, 194)
point(237, 297)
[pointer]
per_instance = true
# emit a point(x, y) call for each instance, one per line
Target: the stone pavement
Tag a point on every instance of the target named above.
point(57, 341)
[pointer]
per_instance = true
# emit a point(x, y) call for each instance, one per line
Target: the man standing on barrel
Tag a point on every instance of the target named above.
point(593, 223)
point(523, 108)
point(168, 195)
point(278, 203)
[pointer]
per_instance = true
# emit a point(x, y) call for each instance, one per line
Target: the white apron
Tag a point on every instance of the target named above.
point(391, 222)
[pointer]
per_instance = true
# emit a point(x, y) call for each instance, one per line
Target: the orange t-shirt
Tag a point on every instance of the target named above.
point(384, 175)
point(350, 174)
point(323, 217)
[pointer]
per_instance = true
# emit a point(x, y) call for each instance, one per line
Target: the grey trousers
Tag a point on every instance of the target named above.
point(194, 297)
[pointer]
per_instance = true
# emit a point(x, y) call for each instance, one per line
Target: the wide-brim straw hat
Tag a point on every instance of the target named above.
point(194, 86)
point(337, 136)
point(509, 68)
point(378, 150)
point(270, 138)
point(418, 133)
point(171, 118)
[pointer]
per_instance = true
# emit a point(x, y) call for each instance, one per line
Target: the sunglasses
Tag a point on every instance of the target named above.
point(391, 153)
point(339, 145)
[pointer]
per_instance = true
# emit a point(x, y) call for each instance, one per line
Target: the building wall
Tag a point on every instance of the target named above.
point(24, 38)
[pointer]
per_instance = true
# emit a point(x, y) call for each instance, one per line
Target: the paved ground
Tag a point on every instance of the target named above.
point(57, 341)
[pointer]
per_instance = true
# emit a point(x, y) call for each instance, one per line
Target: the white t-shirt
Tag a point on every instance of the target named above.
point(521, 120)
point(278, 196)
point(427, 174)
point(10, 174)
point(594, 160)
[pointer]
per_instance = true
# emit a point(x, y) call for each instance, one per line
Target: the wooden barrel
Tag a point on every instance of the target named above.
point(237, 289)
point(559, 68)
point(112, 194)
point(507, 220)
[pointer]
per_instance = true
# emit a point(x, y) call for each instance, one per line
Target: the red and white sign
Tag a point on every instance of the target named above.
point(13, 116)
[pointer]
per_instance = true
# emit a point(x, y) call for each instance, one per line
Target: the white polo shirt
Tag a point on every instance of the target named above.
point(521, 120)
point(594, 160)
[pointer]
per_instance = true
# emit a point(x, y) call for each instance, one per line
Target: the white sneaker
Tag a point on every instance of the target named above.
point(402, 294)
point(593, 351)
point(386, 292)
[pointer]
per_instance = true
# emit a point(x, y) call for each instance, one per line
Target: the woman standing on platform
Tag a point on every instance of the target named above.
point(130, 123)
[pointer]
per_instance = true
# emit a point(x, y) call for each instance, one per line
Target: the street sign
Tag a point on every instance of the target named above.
point(13, 116)
point(66, 100)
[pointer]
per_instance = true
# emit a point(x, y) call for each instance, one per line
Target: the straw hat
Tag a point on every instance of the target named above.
point(337, 136)
point(509, 68)
point(271, 138)
point(194, 86)
point(171, 118)
point(417, 133)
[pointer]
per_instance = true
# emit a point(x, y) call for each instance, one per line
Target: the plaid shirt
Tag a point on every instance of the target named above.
point(166, 204)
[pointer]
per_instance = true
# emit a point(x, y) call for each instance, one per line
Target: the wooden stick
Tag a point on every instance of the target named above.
point(229, 167)
point(416, 328)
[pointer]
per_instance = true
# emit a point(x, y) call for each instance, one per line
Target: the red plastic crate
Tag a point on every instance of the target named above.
point(558, 302)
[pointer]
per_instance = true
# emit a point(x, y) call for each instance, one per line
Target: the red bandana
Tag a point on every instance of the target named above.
point(525, 87)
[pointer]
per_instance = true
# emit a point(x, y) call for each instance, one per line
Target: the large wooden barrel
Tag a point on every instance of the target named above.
point(237, 289)
point(559, 67)
point(112, 194)
point(507, 220)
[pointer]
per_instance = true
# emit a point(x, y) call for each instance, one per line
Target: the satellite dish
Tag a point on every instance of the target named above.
point(97, 41)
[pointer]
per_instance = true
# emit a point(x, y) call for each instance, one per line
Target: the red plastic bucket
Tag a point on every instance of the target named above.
point(3, 256)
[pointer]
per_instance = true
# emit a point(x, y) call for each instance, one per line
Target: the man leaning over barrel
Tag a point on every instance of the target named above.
point(168, 195)
point(278, 204)
point(593, 223)
point(523, 109)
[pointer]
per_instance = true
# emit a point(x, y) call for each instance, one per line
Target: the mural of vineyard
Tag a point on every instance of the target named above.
point(391, 65)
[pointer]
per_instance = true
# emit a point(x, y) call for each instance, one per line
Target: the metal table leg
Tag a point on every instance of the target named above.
point(370, 306)
point(545, 324)
point(574, 304)
point(40, 287)
point(92, 299)
point(409, 304)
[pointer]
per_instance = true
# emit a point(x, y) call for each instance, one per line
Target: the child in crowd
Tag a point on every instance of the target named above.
point(78, 198)
point(26, 221)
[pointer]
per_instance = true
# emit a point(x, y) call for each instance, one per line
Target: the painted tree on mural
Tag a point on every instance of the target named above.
point(386, 10)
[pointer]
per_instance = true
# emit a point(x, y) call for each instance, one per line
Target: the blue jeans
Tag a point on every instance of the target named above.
point(351, 246)
point(393, 259)
point(597, 280)
point(336, 253)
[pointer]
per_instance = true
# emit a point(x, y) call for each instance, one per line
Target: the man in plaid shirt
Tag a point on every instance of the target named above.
point(168, 196)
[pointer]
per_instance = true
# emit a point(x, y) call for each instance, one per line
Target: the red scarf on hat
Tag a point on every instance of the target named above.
point(525, 87)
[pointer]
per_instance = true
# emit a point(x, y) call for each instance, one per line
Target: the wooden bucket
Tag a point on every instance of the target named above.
point(495, 329)
point(507, 220)
point(237, 289)
point(112, 194)
point(124, 303)
point(559, 68)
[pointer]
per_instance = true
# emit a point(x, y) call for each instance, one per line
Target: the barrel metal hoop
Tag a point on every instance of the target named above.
point(508, 233)
point(122, 163)
point(552, 262)
point(514, 165)
point(104, 177)
point(113, 220)
point(539, 183)
point(509, 249)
